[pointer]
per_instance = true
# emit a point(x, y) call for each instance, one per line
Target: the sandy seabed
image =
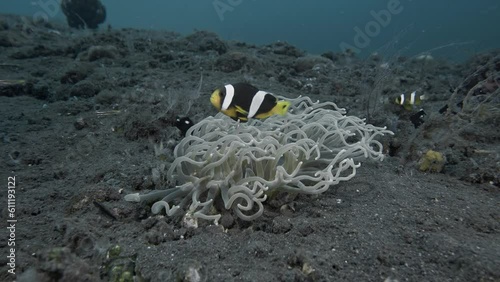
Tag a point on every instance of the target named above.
point(82, 113)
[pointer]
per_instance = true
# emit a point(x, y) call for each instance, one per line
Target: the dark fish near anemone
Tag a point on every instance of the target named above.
point(183, 124)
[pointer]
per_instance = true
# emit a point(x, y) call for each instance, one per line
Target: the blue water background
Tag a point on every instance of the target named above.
point(444, 28)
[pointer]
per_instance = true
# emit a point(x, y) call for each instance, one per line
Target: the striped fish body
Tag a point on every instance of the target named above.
point(409, 101)
point(242, 101)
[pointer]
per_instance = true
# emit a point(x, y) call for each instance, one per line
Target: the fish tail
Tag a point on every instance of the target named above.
point(282, 107)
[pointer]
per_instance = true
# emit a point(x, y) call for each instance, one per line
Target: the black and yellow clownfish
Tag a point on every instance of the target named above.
point(409, 101)
point(242, 101)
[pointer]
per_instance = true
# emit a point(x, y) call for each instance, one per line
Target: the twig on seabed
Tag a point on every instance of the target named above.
point(8, 82)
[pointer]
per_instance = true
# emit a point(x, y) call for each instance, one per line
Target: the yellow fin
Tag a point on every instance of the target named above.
point(241, 110)
point(408, 107)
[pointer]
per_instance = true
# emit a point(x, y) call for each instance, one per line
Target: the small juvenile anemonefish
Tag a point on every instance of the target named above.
point(242, 101)
point(183, 124)
point(409, 101)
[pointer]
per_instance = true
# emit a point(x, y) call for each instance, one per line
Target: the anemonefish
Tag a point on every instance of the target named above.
point(418, 118)
point(242, 101)
point(409, 101)
point(183, 124)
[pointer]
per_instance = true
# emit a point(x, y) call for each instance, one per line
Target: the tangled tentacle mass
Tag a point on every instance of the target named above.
point(310, 149)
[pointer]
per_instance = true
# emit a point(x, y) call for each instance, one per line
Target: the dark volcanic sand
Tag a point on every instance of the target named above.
point(392, 222)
